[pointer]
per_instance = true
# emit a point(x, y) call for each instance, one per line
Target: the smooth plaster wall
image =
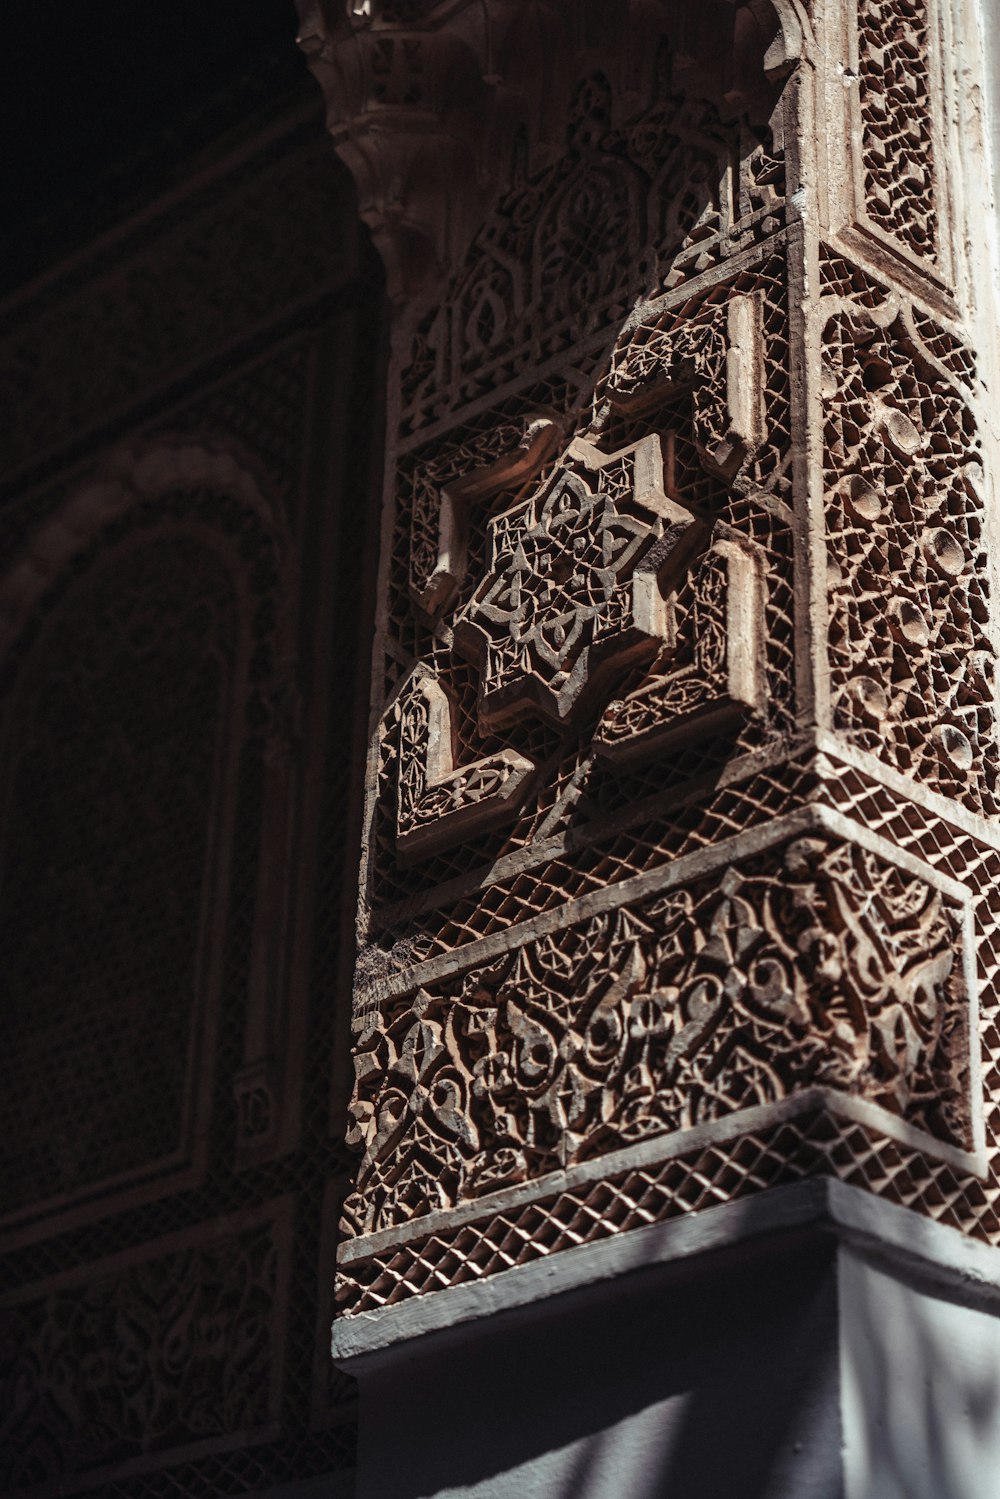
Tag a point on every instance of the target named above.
point(920, 1392)
point(659, 1384)
point(991, 38)
point(793, 1366)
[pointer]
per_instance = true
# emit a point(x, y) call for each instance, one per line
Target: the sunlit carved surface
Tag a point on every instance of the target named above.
point(815, 965)
point(747, 579)
point(897, 136)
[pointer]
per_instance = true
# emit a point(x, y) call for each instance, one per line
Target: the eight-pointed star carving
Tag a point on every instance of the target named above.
point(576, 586)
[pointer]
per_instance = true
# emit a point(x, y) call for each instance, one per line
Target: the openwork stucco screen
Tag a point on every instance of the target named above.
point(680, 869)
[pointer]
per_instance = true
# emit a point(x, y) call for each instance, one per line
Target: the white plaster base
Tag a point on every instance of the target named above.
point(814, 1343)
point(919, 1387)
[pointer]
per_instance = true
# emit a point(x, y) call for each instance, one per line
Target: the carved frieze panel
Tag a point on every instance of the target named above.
point(736, 1155)
point(632, 207)
point(912, 661)
point(129, 1359)
point(816, 963)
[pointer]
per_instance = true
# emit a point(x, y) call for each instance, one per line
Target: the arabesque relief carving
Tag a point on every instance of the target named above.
point(718, 680)
point(818, 964)
point(120, 1362)
point(584, 580)
point(437, 800)
point(626, 211)
point(897, 136)
point(435, 578)
point(688, 534)
point(718, 357)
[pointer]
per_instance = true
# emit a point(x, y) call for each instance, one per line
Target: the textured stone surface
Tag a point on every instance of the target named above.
point(179, 591)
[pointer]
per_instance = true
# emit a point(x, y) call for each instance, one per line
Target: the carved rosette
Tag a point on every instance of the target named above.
point(576, 584)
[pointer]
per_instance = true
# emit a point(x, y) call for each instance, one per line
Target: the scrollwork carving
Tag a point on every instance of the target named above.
point(119, 1362)
point(719, 680)
point(567, 249)
point(718, 358)
point(817, 964)
point(433, 584)
point(897, 138)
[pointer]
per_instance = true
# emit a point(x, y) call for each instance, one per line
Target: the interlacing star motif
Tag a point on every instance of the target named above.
point(576, 589)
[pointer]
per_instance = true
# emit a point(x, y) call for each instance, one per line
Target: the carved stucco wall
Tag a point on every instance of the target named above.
point(681, 859)
point(679, 870)
point(179, 600)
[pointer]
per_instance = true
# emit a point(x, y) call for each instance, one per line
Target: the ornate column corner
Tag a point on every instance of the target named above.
point(681, 852)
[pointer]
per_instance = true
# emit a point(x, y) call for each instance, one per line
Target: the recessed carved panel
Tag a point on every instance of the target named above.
point(114, 749)
point(718, 680)
point(897, 138)
point(437, 801)
point(911, 655)
point(127, 1359)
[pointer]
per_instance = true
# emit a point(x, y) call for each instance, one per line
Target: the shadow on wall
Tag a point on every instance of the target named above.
point(786, 1368)
point(655, 1385)
point(920, 1387)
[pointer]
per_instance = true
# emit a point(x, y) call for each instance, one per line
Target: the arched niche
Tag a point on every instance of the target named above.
point(136, 635)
